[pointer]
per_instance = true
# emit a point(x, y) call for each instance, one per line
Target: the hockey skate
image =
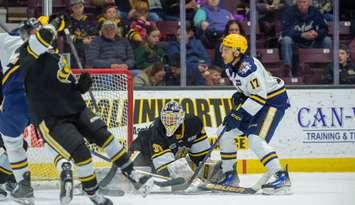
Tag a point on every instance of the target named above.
point(282, 184)
point(23, 192)
point(229, 178)
point(98, 199)
point(66, 184)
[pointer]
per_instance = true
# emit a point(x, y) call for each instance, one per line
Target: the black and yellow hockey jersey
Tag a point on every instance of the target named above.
point(190, 138)
point(49, 85)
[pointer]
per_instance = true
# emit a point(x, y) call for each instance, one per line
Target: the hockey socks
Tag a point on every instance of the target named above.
point(266, 154)
point(17, 156)
point(115, 151)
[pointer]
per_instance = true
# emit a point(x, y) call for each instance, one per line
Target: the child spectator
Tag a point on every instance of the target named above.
point(232, 26)
point(138, 28)
point(83, 29)
point(214, 76)
point(197, 59)
point(149, 51)
point(110, 50)
point(109, 12)
point(211, 20)
point(346, 68)
point(154, 75)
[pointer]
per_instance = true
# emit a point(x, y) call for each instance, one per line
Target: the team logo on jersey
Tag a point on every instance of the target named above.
point(244, 67)
point(157, 148)
point(64, 70)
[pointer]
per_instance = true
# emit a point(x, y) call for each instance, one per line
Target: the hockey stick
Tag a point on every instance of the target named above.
point(77, 59)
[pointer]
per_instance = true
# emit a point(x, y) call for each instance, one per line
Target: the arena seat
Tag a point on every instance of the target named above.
point(344, 31)
point(270, 58)
point(312, 62)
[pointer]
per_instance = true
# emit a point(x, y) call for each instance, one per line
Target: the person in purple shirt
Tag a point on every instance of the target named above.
point(211, 20)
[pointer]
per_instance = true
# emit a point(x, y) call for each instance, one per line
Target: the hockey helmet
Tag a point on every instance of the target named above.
point(236, 41)
point(172, 116)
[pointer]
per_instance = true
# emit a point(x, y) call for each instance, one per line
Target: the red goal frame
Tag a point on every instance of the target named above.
point(117, 71)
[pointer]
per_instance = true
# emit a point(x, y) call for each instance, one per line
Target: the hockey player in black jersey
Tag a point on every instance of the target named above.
point(54, 98)
point(169, 138)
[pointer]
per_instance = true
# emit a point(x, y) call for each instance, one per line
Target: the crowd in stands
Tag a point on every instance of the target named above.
point(128, 34)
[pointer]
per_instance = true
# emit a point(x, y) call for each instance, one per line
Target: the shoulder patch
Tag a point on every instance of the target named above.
point(246, 67)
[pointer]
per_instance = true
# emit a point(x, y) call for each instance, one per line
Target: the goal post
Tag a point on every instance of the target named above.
point(113, 93)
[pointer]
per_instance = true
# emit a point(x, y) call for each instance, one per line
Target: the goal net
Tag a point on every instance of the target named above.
point(113, 93)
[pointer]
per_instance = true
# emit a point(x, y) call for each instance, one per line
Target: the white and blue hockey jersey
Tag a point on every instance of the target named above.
point(251, 78)
point(12, 77)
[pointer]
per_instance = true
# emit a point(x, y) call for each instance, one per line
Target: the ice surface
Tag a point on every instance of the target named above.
point(308, 188)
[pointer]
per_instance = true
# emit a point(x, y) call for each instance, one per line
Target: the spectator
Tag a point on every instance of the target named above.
point(232, 26)
point(156, 12)
point(82, 28)
point(138, 28)
point(269, 11)
point(110, 50)
point(124, 8)
point(109, 12)
point(172, 8)
point(303, 26)
point(154, 75)
point(211, 20)
point(214, 76)
point(173, 73)
point(326, 8)
point(197, 60)
point(346, 68)
point(150, 51)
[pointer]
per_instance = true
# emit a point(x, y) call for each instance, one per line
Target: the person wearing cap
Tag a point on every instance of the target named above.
point(82, 28)
point(110, 50)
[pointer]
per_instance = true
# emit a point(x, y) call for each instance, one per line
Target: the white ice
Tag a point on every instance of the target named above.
point(308, 188)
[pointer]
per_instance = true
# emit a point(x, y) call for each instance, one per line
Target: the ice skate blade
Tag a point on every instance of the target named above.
point(285, 190)
point(67, 198)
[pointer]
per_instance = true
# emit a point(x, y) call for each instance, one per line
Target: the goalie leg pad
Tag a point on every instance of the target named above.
point(17, 156)
point(180, 168)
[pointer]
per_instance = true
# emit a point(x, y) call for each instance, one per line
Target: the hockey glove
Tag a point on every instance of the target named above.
point(235, 118)
point(238, 98)
point(84, 83)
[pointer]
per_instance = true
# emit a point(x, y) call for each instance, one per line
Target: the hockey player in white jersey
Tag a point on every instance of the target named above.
point(14, 115)
point(262, 101)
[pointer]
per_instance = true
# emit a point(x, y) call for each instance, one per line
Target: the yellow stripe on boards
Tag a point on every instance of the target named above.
point(304, 165)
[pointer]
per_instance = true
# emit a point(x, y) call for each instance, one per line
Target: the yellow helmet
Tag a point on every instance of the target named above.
point(236, 41)
point(43, 20)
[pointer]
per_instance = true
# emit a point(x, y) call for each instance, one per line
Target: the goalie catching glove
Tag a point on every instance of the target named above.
point(84, 83)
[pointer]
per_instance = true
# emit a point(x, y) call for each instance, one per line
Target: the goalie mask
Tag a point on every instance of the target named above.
point(172, 116)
